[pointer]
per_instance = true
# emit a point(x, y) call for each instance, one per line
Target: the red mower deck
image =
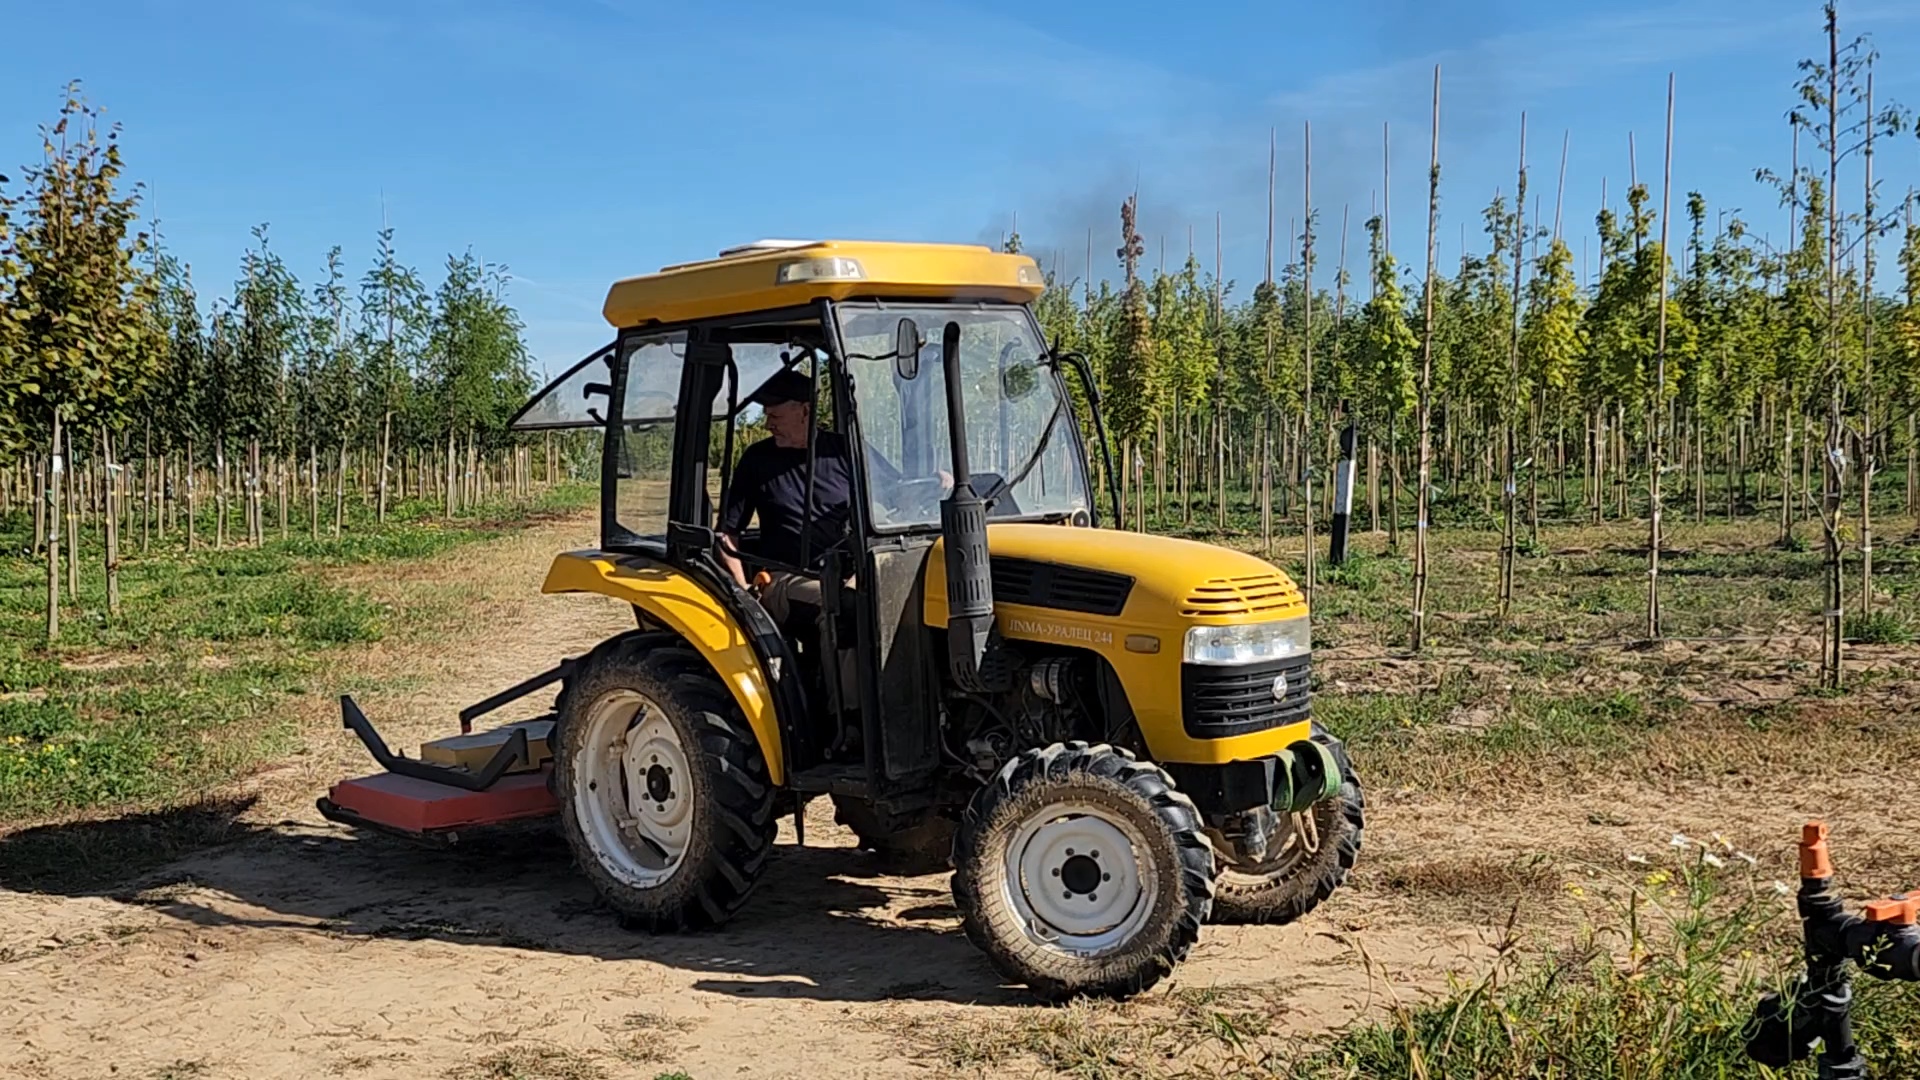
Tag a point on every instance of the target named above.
point(418, 807)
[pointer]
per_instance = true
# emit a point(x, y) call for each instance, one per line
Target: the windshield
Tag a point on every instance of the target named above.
point(1011, 398)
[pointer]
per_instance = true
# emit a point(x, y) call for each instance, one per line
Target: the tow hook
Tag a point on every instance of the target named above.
point(1305, 773)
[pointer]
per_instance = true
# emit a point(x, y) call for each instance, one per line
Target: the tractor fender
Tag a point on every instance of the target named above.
point(679, 602)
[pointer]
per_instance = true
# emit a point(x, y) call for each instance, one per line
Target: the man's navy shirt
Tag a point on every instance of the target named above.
point(772, 480)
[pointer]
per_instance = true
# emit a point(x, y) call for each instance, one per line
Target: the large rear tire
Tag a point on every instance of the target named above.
point(1079, 870)
point(664, 794)
point(1314, 859)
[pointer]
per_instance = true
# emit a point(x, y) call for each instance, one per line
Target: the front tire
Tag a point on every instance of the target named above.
point(1313, 861)
point(664, 794)
point(1079, 870)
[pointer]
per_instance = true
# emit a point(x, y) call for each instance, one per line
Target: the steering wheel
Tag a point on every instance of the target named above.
point(919, 496)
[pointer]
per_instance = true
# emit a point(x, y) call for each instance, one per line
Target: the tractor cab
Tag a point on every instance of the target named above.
point(879, 446)
point(845, 490)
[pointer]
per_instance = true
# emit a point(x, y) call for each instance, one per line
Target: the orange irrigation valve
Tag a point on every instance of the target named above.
point(1899, 911)
point(1883, 941)
point(1815, 862)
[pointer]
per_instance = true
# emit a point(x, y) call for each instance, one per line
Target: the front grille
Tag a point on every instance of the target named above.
point(1249, 594)
point(1216, 702)
point(1050, 585)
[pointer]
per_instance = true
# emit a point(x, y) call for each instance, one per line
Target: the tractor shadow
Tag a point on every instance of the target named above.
point(824, 924)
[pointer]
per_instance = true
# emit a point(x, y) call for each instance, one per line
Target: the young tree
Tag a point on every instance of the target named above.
point(81, 303)
point(268, 312)
point(333, 390)
point(1657, 410)
point(1424, 480)
point(477, 368)
point(393, 327)
point(1188, 367)
point(1550, 338)
point(1513, 400)
point(1132, 377)
point(1836, 108)
point(178, 406)
point(1387, 349)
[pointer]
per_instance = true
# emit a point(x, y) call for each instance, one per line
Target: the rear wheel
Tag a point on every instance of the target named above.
point(1313, 860)
point(664, 794)
point(1080, 870)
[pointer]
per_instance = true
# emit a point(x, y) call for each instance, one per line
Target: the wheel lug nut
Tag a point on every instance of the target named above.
point(1067, 895)
point(1106, 877)
point(1069, 851)
point(1091, 897)
point(1094, 854)
point(1056, 871)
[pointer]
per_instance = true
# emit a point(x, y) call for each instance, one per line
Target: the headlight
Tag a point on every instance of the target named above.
point(1249, 643)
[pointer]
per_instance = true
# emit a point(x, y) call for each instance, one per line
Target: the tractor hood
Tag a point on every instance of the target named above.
point(1051, 581)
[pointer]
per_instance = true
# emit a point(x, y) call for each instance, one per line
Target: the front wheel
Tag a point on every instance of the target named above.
point(1080, 870)
point(664, 794)
point(1321, 846)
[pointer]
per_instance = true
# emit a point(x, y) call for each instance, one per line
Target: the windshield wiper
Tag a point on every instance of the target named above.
point(1007, 484)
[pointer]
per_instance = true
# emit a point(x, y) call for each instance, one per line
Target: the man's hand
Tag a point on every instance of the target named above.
point(946, 481)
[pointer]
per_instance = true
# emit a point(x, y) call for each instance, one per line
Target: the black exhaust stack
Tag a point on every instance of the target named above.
point(963, 527)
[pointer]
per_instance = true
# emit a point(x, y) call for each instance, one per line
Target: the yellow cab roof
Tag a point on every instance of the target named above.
point(772, 274)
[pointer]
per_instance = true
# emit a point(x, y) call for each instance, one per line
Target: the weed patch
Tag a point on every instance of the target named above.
point(1661, 984)
point(1878, 628)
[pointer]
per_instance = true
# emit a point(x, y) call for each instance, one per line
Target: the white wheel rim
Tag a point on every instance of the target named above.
point(631, 789)
point(1074, 880)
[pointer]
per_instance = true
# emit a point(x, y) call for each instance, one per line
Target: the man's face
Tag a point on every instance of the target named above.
point(787, 423)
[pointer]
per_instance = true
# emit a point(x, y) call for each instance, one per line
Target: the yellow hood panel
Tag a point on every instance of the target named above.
point(1176, 584)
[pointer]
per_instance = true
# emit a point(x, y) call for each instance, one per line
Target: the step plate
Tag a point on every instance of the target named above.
point(411, 805)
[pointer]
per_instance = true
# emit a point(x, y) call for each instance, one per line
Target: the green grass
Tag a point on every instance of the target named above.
point(1879, 628)
point(1661, 983)
point(186, 688)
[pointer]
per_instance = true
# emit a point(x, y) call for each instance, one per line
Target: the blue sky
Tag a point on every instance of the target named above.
point(578, 141)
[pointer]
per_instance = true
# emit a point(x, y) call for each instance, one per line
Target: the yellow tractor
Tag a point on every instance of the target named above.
point(1105, 735)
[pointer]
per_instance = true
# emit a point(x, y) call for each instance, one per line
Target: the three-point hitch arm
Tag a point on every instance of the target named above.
point(1883, 941)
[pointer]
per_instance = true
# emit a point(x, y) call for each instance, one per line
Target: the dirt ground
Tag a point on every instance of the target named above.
point(299, 949)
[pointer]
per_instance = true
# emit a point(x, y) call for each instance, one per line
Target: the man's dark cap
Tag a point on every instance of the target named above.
point(784, 386)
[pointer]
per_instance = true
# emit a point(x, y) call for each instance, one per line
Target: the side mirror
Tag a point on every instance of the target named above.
point(1018, 381)
point(906, 349)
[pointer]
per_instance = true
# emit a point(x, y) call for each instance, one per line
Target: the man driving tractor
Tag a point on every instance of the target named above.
point(771, 481)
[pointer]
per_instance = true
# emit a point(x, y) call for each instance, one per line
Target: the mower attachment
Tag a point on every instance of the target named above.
point(421, 798)
point(421, 809)
point(515, 749)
